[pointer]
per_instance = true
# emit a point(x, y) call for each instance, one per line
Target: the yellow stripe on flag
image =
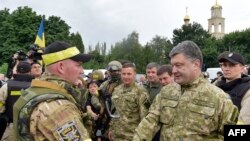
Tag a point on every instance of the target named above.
point(40, 37)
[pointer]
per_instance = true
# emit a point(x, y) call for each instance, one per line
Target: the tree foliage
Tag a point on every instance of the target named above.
point(76, 40)
point(19, 28)
point(202, 38)
point(237, 41)
point(157, 50)
point(194, 32)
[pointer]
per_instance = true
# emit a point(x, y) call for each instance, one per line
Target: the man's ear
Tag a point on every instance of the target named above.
point(60, 67)
point(197, 64)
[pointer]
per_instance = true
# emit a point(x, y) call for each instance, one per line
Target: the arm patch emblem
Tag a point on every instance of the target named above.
point(69, 132)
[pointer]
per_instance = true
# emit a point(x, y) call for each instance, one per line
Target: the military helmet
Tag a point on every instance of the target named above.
point(114, 66)
point(97, 75)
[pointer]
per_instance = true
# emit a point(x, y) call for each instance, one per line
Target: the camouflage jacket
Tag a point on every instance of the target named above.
point(196, 111)
point(108, 87)
point(132, 105)
point(48, 111)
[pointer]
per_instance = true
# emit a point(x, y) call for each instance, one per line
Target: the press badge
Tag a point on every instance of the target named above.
point(69, 132)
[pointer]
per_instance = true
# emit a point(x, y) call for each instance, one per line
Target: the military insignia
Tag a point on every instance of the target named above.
point(230, 54)
point(69, 132)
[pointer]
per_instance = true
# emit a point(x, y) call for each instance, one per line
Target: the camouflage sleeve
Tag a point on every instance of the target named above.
point(144, 104)
point(244, 117)
point(146, 129)
point(57, 120)
point(229, 114)
point(3, 97)
point(103, 85)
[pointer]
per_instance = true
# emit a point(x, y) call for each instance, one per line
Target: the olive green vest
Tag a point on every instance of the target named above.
point(39, 91)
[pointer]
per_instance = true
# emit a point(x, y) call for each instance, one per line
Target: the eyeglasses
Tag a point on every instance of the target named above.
point(113, 68)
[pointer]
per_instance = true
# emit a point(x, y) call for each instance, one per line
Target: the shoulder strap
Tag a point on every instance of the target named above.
point(51, 87)
point(39, 91)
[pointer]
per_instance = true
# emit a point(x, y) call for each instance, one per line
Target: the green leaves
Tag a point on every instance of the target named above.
point(19, 28)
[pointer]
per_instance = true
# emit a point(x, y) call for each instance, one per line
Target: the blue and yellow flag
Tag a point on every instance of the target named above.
point(40, 37)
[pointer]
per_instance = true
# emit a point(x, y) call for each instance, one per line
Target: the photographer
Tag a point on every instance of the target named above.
point(13, 61)
point(33, 55)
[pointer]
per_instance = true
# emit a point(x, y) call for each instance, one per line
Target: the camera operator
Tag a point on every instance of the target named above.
point(33, 55)
point(13, 61)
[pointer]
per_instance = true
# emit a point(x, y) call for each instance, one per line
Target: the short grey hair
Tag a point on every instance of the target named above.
point(153, 65)
point(189, 49)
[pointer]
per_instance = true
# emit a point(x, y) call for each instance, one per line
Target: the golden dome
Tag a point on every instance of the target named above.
point(216, 5)
point(186, 18)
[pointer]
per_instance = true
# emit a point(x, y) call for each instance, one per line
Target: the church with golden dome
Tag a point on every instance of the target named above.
point(216, 24)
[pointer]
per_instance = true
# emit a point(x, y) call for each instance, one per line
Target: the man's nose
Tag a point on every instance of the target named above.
point(81, 70)
point(174, 70)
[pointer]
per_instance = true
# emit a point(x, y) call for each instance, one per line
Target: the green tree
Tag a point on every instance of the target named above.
point(18, 31)
point(208, 44)
point(193, 32)
point(237, 41)
point(96, 62)
point(129, 49)
point(210, 52)
point(56, 29)
point(158, 50)
point(76, 40)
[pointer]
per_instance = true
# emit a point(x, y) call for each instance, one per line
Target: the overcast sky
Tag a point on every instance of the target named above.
point(113, 20)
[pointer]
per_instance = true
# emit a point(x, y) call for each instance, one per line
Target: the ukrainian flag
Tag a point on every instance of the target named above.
point(40, 38)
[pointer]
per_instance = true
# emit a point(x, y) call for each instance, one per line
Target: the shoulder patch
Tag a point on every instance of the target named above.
point(69, 131)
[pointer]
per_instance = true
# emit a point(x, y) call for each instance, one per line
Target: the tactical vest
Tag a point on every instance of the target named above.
point(40, 91)
point(14, 92)
point(236, 88)
point(109, 86)
point(238, 93)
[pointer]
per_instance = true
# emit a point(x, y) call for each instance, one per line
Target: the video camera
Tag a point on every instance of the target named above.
point(35, 53)
point(20, 55)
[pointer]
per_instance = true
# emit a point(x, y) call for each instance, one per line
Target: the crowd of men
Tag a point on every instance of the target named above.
point(171, 102)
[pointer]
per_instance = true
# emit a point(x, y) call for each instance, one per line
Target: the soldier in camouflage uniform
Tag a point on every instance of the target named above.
point(48, 110)
point(190, 109)
point(114, 68)
point(131, 102)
